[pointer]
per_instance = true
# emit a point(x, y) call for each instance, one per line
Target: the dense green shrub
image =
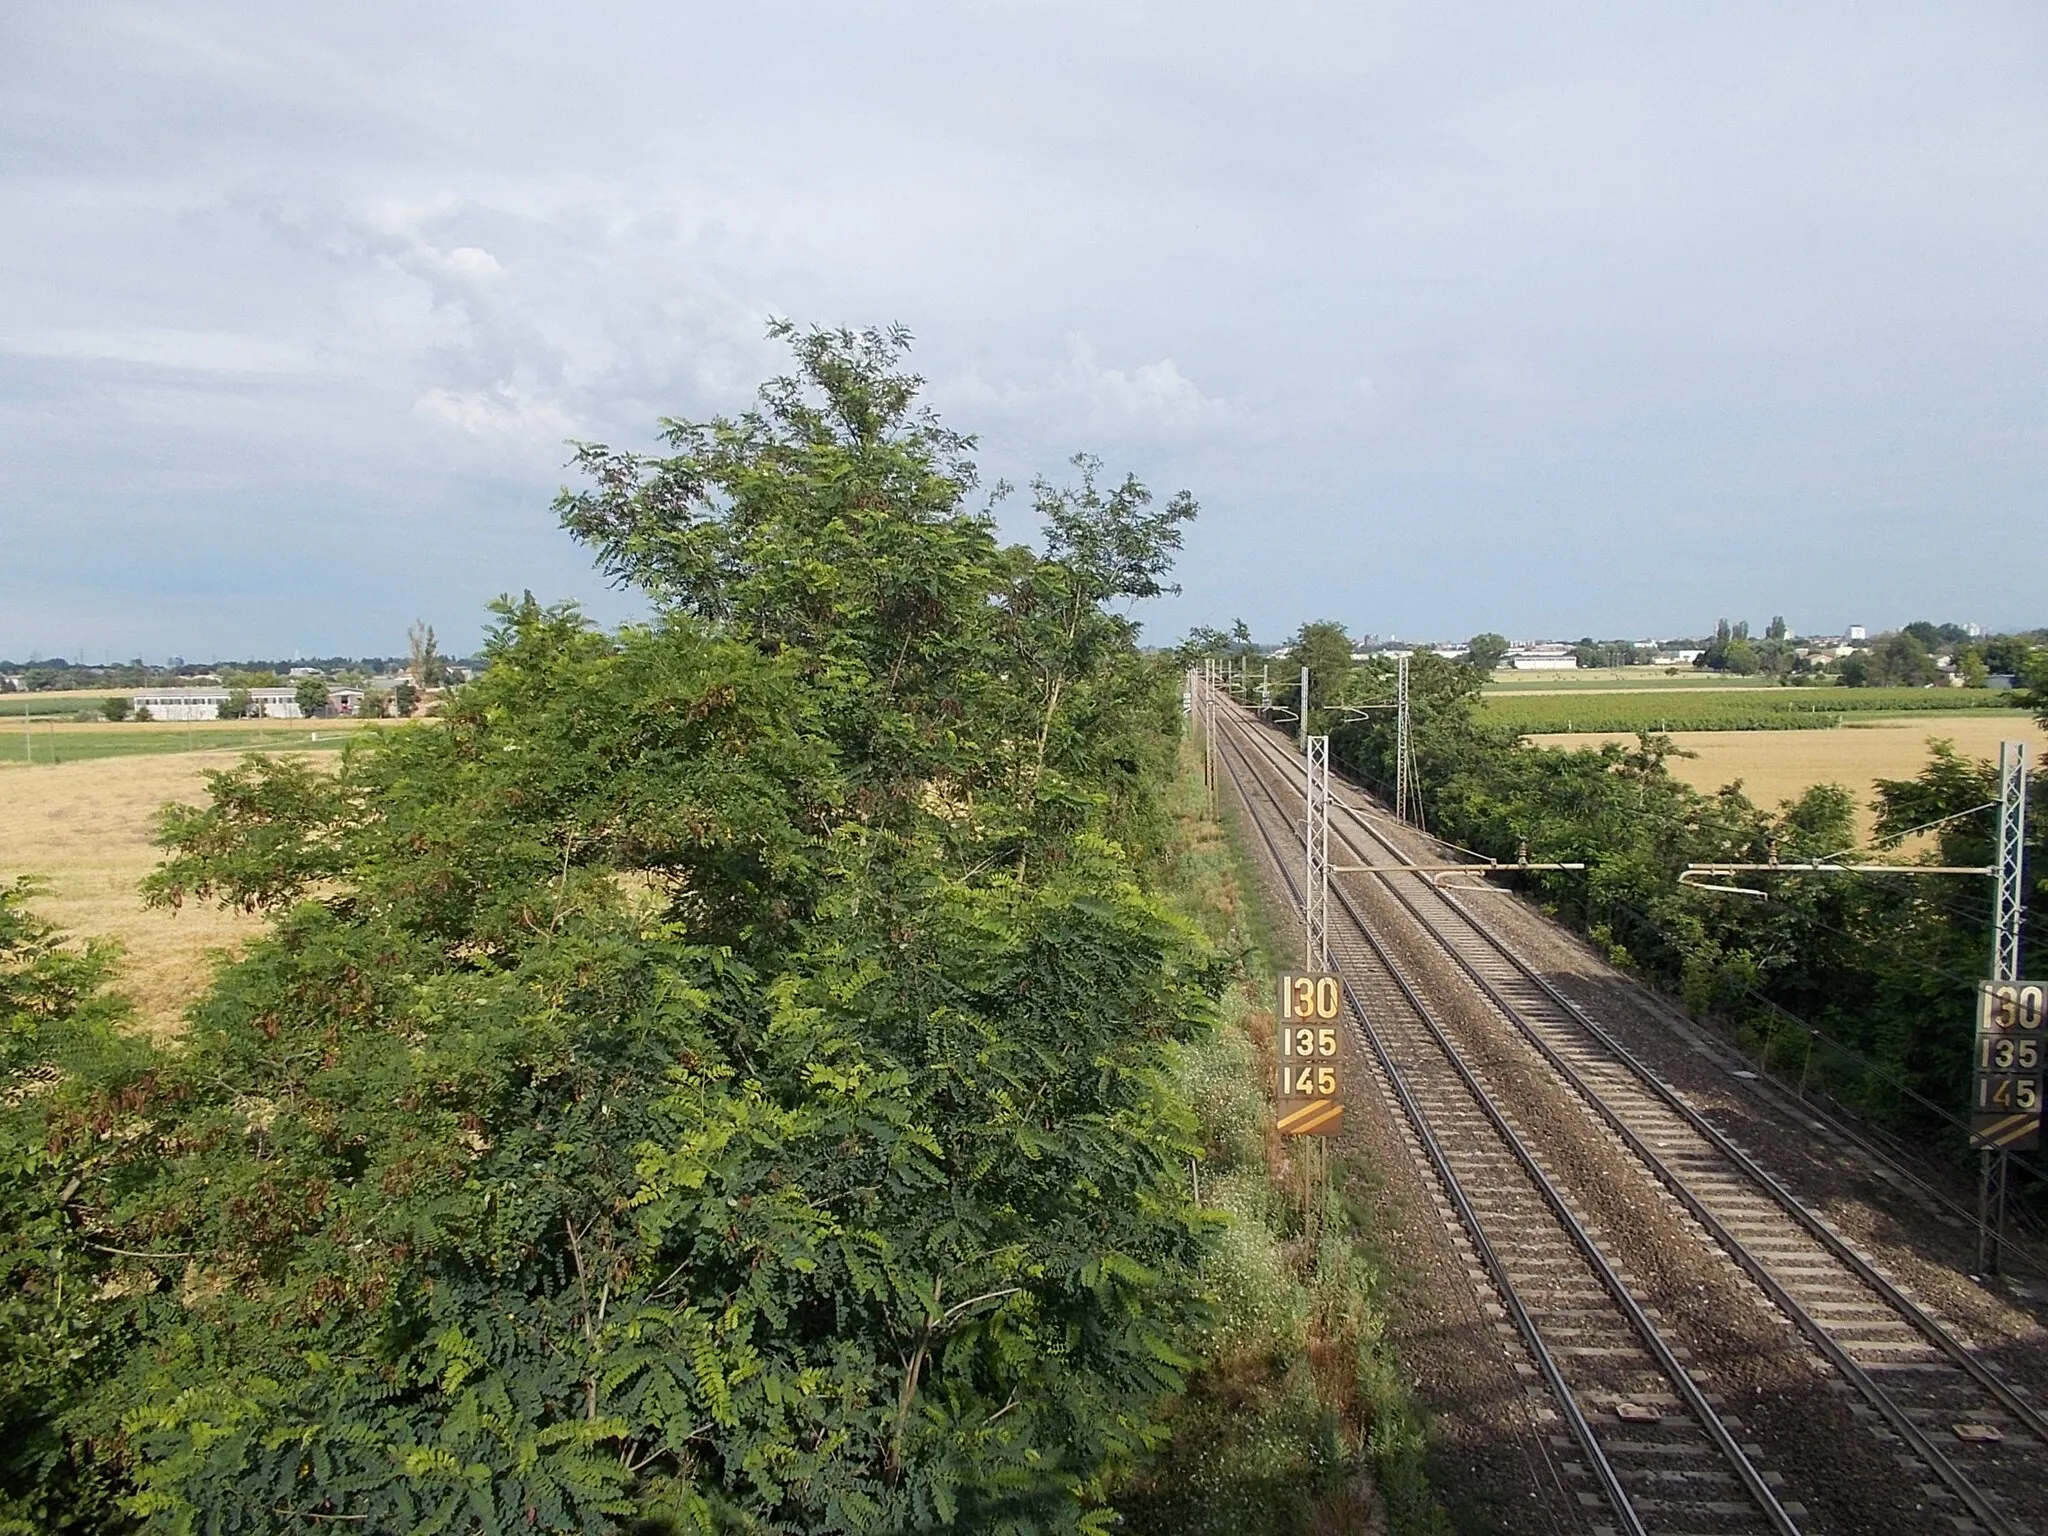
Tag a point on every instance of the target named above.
point(717, 1079)
point(1873, 975)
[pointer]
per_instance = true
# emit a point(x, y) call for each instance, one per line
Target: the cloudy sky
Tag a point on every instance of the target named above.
point(1544, 319)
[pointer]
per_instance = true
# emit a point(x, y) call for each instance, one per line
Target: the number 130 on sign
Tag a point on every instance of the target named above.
point(1306, 1048)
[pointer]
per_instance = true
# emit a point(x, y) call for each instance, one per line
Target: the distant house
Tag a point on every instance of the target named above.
point(1542, 658)
point(267, 703)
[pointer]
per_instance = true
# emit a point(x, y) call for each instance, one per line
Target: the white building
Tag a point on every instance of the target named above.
point(1857, 632)
point(267, 703)
point(1542, 658)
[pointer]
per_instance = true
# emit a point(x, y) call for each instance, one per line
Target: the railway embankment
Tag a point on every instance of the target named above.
point(1303, 1413)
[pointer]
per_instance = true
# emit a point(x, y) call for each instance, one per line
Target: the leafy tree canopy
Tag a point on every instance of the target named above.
point(1486, 652)
point(1325, 649)
point(311, 695)
point(713, 1082)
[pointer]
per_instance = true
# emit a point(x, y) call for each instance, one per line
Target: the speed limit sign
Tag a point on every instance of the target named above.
point(1310, 1095)
point(2012, 1039)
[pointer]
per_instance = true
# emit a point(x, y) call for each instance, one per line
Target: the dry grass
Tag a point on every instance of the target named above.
point(86, 828)
point(1775, 766)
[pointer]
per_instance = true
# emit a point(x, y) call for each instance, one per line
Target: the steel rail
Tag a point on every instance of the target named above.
point(1927, 1326)
point(1511, 1297)
point(1581, 1238)
point(1932, 1331)
point(1781, 1099)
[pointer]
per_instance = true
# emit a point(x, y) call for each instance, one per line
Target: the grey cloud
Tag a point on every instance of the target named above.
point(1487, 316)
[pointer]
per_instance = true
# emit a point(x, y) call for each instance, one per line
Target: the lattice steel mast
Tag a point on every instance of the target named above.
point(1405, 792)
point(2008, 909)
point(1315, 844)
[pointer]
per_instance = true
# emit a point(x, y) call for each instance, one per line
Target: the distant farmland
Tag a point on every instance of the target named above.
point(48, 742)
point(1774, 766)
point(1685, 709)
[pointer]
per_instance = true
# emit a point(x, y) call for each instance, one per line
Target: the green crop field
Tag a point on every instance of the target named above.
point(54, 706)
point(1776, 709)
point(1610, 679)
point(43, 743)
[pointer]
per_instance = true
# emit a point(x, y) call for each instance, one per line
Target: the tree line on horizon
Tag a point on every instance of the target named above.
point(1901, 658)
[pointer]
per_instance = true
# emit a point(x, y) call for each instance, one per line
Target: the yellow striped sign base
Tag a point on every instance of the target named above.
point(2007, 1133)
point(1318, 1117)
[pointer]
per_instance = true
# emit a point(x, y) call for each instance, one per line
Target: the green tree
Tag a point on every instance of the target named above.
point(1739, 656)
point(1440, 696)
point(1775, 630)
point(1901, 661)
point(2007, 653)
point(2033, 680)
point(1100, 550)
point(235, 706)
point(716, 1082)
point(117, 706)
point(1731, 650)
point(1486, 651)
point(1325, 649)
point(405, 697)
point(58, 1333)
point(310, 693)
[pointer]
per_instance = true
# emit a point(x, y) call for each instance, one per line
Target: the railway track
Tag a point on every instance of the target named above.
point(1663, 1454)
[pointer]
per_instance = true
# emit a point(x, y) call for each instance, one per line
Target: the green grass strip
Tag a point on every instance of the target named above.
point(75, 745)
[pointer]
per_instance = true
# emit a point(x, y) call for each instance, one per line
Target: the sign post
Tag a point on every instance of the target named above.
point(1310, 1098)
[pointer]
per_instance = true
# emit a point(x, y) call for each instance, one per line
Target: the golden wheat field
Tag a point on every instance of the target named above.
point(85, 827)
point(1775, 766)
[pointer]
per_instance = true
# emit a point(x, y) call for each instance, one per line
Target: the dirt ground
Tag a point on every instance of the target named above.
point(85, 827)
point(1776, 766)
